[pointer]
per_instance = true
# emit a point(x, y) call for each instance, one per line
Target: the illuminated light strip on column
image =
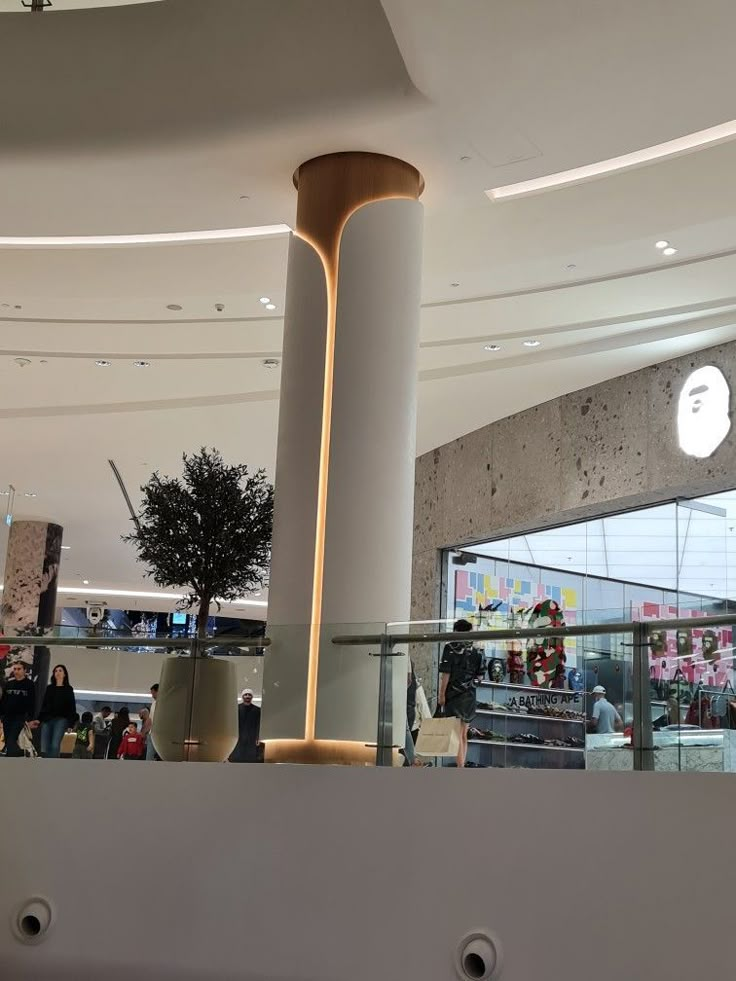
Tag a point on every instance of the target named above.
point(637, 158)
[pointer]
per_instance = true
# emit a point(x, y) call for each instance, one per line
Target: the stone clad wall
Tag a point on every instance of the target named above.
point(596, 451)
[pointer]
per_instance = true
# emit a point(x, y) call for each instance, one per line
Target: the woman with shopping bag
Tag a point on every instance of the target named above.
point(461, 668)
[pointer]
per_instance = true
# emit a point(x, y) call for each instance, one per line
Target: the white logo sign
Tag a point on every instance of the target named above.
point(703, 418)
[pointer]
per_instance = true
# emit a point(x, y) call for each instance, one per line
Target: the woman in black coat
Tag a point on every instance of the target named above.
point(119, 724)
point(57, 713)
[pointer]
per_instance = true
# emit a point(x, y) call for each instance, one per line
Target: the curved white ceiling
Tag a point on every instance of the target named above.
point(198, 118)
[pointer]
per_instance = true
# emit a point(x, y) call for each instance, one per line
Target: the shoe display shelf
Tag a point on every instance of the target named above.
point(528, 727)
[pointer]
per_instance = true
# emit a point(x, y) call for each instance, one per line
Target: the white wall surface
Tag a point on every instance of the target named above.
point(279, 873)
point(124, 671)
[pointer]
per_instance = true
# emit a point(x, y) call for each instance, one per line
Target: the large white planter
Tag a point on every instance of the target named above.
point(196, 715)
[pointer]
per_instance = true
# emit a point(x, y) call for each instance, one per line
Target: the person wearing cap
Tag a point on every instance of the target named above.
point(605, 716)
point(247, 749)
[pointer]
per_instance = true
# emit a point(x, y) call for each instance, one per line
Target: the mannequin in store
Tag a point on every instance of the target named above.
point(545, 653)
point(516, 664)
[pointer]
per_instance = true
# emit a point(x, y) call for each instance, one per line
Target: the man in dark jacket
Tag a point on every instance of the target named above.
point(16, 707)
point(248, 749)
point(461, 668)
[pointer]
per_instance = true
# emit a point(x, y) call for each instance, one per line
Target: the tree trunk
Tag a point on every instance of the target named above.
point(203, 616)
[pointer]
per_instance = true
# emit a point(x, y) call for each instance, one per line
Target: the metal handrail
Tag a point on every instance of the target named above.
point(177, 643)
point(521, 633)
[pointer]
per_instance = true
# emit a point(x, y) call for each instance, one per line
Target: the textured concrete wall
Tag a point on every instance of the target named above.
point(599, 450)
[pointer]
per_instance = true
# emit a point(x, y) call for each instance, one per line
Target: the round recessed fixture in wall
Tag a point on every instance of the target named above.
point(661, 244)
point(173, 306)
point(142, 364)
point(669, 250)
point(101, 363)
point(270, 306)
point(532, 343)
point(264, 300)
point(491, 347)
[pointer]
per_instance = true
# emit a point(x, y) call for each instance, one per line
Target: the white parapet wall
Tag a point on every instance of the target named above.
point(288, 873)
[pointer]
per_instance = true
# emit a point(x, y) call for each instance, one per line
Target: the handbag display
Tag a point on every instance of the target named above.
point(439, 736)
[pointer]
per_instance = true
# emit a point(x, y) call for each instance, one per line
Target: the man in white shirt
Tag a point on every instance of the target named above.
point(605, 716)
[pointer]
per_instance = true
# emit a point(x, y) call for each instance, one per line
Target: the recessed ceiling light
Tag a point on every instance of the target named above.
point(454, 285)
point(142, 364)
point(571, 265)
point(18, 306)
point(173, 306)
point(103, 364)
point(532, 343)
point(491, 347)
point(66, 548)
point(30, 494)
point(86, 582)
point(669, 250)
point(661, 244)
point(265, 299)
point(270, 306)
point(270, 362)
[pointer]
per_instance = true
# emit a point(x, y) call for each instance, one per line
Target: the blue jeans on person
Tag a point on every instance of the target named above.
point(151, 753)
point(52, 732)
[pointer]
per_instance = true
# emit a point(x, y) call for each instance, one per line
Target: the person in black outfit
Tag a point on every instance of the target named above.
point(119, 724)
point(248, 748)
point(461, 668)
point(16, 707)
point(58, 712)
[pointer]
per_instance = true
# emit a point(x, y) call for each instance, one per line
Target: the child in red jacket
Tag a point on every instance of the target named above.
point(132, 745)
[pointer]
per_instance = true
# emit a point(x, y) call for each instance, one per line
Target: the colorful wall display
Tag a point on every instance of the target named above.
point(704, 655)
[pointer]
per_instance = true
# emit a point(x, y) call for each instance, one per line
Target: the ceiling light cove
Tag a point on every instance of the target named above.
point(661, 151)
point(144, 238)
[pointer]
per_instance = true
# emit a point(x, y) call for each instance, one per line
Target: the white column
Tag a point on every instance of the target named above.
point(345, 465)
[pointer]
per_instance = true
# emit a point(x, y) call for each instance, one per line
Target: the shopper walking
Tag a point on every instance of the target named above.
point(248, 747)
point(101, 723)
point(605, 717)
point(461, 668)
point(151, 753)
point(16, 707)
point(132, 745)
point(57, 713)
point(84, 743)
point(119, 724)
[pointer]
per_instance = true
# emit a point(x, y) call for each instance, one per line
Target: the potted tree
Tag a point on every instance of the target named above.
point(208, 533)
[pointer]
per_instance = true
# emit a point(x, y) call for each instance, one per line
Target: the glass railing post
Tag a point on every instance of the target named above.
point(642, 734)
point(384, 736)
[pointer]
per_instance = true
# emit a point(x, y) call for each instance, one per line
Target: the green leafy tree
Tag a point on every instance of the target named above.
point(208, 532)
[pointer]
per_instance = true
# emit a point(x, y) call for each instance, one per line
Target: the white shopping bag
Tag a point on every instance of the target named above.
point(439, 736)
